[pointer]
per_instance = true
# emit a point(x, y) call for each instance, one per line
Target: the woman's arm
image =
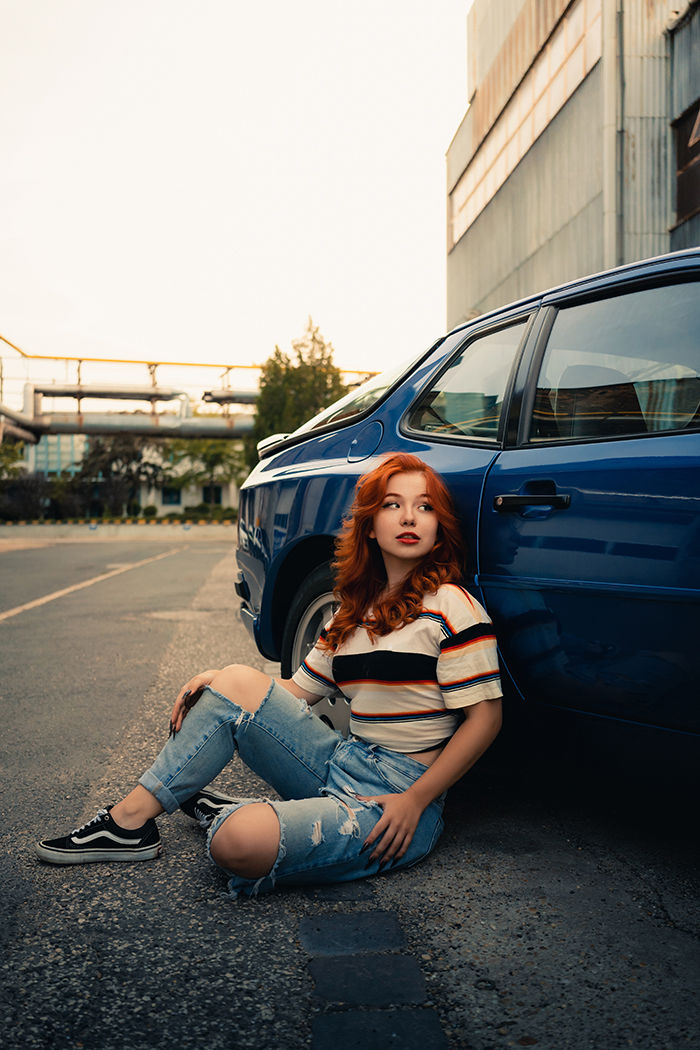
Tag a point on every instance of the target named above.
point(393, 832)
point(296, 690)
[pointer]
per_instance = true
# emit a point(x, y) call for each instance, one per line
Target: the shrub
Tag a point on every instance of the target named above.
point(198, 510)
point(24, 497)
point(69, 497)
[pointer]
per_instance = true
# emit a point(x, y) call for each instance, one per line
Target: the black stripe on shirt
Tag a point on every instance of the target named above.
point(469, 634)
point(385, 666)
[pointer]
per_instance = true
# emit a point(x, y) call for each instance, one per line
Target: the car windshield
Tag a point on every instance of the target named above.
point(356, 401)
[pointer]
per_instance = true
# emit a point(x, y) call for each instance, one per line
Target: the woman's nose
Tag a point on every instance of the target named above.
point(408, 518)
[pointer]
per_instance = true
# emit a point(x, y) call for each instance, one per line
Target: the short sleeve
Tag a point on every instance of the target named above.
point(315, 675)
point(467, 667)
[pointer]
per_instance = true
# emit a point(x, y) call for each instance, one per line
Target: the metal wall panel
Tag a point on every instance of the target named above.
point(685, 64)
point(527, 35)
point(685, 90)
point(525, 238)
point(648, 169)
point(544, 225)
point(571, 52)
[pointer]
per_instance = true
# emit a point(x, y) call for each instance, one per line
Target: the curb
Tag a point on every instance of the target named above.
point(51, 532)
point(95, 522)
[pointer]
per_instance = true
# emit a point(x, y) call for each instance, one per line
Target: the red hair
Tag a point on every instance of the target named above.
point(359, 566)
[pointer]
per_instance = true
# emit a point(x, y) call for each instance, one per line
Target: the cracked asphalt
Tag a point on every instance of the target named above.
point(560, 909)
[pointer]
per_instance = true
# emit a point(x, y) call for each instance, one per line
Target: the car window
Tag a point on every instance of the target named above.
point(466, 399)
point(622, 366)
point(357, 401)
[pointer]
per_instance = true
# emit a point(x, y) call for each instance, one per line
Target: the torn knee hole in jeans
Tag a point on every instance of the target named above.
point(304, 707)
point(316, 833)
point(350, 825)
point(347, 823)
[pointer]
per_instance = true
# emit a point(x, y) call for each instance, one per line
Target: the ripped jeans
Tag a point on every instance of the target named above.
point(318, 774)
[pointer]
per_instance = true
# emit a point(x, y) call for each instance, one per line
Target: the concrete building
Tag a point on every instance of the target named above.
point(580, 149)
point(61, 454)
point(55, 454)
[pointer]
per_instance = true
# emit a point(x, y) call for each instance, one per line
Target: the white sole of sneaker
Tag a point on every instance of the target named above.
point(55, 856)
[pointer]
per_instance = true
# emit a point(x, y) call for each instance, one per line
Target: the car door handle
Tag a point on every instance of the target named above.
point(512, 501)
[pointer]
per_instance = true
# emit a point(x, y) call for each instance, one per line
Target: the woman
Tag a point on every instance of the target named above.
point(416, 655)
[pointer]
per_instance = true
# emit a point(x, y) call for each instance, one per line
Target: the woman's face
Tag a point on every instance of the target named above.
point(406, 525)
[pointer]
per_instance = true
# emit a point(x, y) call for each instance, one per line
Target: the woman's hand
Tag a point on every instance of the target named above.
point(392, 834)
point(188, 697)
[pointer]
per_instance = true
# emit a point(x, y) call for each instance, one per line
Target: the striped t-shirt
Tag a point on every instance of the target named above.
point(405, 688)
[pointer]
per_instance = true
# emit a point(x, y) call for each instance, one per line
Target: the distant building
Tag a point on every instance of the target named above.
point(55, 454)
point(168, 499)
point(580, 149)
point(62, 454)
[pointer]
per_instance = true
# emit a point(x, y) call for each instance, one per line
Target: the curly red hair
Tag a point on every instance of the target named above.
point(359, 566)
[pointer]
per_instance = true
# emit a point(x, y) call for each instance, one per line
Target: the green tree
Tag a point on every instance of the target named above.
point(11, 458)
point(293, 388)
point(22, 495)
point(205, 461)
point(120, 463)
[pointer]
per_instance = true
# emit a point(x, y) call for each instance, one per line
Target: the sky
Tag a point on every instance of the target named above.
point(190, 180)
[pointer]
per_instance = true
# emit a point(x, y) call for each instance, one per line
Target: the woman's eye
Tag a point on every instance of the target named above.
point(426, 506)
point(389, 503)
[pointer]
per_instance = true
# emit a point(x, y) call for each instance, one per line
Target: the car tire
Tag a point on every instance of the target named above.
point(312, 607)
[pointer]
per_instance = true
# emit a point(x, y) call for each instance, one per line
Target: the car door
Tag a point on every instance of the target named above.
point(589, 538)
point(458, 421)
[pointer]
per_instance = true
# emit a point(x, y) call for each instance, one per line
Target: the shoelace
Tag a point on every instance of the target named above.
point(97, 819)
point(204, 819)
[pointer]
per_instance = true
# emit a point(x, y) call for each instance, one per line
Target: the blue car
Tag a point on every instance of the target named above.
point(567, 426)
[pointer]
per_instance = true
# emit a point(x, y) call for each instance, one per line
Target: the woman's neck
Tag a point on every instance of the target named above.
point(397, 572)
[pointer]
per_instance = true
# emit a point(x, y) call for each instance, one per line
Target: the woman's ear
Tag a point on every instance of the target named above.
point(372, 534)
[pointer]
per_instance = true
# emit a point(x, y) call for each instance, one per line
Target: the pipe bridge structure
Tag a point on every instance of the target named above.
point(168, 411)
point(180, 421)
point(183, 409)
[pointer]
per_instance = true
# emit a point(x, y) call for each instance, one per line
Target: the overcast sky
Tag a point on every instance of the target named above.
point(190, 179)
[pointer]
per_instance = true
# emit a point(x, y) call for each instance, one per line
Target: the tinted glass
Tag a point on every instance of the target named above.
point(357, 401)
point(622, 366)
point(466, 400)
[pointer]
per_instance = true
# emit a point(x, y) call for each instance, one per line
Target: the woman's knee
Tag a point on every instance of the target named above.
point(246, 686)
point(247, 842)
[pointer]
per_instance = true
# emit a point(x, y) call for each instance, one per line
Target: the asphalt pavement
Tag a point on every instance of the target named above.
point(560, 909)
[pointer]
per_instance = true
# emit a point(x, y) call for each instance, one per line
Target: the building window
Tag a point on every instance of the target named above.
point(687, 132)
point(171, 497)
point(212, 494)
point(56, 454)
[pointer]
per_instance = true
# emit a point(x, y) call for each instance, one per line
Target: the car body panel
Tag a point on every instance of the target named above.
point(595, 604)
point(589, 565)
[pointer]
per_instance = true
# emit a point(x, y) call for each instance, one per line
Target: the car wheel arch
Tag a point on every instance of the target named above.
point(301, 560)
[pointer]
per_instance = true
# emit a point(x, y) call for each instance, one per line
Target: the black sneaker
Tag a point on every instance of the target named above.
point(204, 806)
point(102, 839)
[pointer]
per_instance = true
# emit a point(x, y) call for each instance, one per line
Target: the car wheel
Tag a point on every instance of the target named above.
point(313, 605)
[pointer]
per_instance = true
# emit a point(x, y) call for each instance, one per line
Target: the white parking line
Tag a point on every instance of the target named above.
point(86, 583)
